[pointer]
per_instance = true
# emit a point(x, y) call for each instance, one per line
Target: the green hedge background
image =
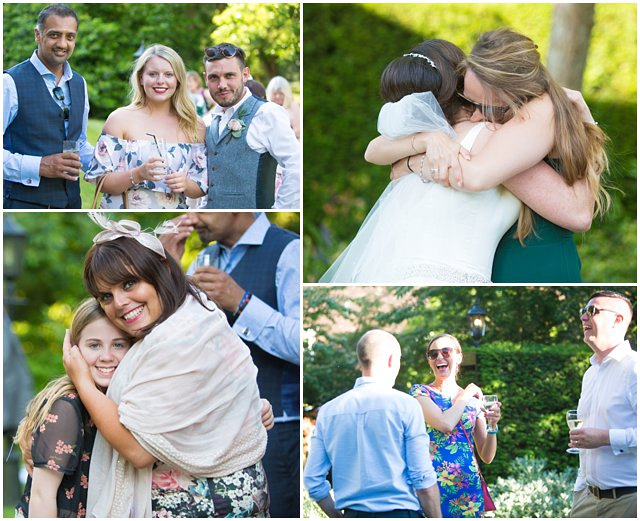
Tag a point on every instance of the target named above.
point(51, 282)
point(110, 33)
point(532, 356)
point(346, 47)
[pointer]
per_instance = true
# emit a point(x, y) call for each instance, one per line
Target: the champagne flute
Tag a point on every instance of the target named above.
point(489, 400)
point(574, 422)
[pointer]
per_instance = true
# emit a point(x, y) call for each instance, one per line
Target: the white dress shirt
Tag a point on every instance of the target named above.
point(270, 131)
point(25, 169)
point(609, 400)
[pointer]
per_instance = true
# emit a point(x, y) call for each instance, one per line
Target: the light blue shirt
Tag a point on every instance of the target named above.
point(277, 331)
point(374, 439)
point(25, 169)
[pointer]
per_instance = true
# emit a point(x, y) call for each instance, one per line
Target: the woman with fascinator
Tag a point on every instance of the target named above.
point(420, 232)
point(179, 429)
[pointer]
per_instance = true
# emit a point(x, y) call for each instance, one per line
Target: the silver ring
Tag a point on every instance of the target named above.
point(434, 170)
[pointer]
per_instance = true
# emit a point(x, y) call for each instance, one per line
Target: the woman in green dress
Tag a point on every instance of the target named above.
point(532, 119)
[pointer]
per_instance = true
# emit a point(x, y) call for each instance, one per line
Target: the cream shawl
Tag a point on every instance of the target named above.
point(188, 393)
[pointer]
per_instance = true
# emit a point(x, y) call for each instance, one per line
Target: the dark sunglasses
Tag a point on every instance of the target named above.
point(57, 92)
point(592, 311)
point(488, 111)
point(433, 353)
point(222, 50)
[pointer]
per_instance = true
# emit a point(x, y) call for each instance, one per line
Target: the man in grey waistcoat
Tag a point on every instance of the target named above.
point(246, 140)
point(45, 102)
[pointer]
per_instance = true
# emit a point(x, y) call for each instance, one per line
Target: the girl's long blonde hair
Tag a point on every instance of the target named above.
point(180, 101)
point(508, 63)
point(40, 405)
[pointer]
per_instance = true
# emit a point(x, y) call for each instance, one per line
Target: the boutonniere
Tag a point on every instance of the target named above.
point(237, 125)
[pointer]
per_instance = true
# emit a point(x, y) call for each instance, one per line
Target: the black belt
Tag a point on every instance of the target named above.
point(612, 493)
point(400, 512)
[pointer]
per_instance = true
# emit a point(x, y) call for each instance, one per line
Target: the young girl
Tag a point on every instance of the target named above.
point(179, 429)
point(57, 430)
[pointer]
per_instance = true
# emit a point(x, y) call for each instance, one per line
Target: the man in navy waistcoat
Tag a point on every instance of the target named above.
point(45, 102)
point(252, 272)
point(246, 140)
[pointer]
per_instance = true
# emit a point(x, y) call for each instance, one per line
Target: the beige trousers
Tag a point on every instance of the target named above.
point(585, 504)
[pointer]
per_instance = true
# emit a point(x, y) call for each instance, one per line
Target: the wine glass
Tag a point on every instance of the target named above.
point(574, 422)
point(489, 400)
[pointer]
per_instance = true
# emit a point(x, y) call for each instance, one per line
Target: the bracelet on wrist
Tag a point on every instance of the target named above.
point(243, 304)
point(409, 165)
point(420, 172)
point(413, 145)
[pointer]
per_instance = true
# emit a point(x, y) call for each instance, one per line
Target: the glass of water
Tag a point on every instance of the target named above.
point(203, 259)
point(489, 400)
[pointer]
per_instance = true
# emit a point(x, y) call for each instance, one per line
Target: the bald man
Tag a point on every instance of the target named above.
point(607, 479)
point(374, 441)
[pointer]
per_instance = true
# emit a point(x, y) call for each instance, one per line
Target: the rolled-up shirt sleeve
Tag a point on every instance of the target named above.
point(317, 467)
point(421, 473)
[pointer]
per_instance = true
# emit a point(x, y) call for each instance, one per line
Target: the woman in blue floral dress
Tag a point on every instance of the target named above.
point(451, 411)
point(153, 149)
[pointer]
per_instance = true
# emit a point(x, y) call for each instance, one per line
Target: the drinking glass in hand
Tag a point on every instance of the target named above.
point(203, 259)
point(69, 145)
point(489, 400)
point(574, 423)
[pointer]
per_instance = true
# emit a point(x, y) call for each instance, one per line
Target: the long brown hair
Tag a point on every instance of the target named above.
point(508, 63)
point(409, 74)
point(124, 259)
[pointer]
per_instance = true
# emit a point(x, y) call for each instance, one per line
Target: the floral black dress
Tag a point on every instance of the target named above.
point(64, 443)
point(175, 493)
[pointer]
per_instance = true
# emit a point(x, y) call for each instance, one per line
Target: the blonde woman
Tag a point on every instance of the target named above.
point(153, 148)
point(505, 82)
point(57, 433)
point(279, 91)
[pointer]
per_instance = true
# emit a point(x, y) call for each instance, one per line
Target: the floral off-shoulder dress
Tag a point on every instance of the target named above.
point(453, 459)
point(116, 154)
point(64, 443)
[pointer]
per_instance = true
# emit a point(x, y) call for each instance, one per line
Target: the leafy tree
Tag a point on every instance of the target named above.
point(51, 283)
point(109, 35)
point(533, 355)
point(268, 33)
point(347, 46)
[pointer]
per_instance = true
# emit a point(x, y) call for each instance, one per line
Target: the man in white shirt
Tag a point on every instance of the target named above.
point(607, 479)
point(246, 140)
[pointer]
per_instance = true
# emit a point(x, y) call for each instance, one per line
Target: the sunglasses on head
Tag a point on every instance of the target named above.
point(592, 311)
point(222, 50)
point(488, 111)
point(433, 353)
point(57, 92)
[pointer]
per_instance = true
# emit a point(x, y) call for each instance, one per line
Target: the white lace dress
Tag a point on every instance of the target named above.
point(116, 154)
point(424, 233)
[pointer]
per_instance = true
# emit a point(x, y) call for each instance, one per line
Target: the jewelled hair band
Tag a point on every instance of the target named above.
point(131, 229)
point(416, 55)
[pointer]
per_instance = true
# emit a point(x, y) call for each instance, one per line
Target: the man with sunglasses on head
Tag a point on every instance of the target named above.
point(607, 479)
point(374, 440)
point(45, 103)
point(246, 139)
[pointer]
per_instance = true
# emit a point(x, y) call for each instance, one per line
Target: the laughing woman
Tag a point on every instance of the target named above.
point(179, 431)
point(454, 416)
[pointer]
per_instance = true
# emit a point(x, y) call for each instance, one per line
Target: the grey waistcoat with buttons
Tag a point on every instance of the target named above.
point(38, 130)
point(239, 177)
